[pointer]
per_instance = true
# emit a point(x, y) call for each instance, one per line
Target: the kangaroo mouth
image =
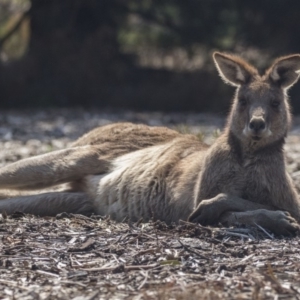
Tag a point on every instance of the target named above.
point(256, 137)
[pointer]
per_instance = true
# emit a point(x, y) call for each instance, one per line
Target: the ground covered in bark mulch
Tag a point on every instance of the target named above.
point(76, 257)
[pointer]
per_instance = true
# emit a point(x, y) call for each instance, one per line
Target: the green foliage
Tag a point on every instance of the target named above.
point(169, 23)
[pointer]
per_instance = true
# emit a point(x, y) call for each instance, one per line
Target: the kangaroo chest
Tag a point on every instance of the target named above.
point(256, 181)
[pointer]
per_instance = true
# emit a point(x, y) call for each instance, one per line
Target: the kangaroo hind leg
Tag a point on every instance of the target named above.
point(53, 168)
point(49, 204)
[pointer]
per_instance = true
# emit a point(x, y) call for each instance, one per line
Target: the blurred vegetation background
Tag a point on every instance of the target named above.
point(136, 54)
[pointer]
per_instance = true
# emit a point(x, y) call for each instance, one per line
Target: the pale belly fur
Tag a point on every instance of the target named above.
point(141, 185)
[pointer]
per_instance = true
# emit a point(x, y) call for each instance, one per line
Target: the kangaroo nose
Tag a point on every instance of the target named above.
point(257, 124)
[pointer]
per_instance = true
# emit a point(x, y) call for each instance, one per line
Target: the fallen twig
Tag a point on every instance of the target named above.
point(127, 268)
point(188, 248)
point(264, 231)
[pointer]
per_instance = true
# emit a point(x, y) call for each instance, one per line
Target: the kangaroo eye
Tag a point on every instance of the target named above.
point(243, 101)
point(275, 103)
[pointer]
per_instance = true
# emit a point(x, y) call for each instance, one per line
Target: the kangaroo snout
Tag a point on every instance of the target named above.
point(257, 128)
point(257, 125)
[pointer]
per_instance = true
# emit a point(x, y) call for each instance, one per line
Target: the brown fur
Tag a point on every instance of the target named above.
point(132, 171)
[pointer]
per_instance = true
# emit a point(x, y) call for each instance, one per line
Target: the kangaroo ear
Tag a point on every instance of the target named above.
point(285, 71)
point(232, 69)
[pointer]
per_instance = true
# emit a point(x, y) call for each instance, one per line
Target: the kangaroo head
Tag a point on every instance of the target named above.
point(260, 114)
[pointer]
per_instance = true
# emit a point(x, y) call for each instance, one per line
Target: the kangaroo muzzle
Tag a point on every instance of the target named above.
point(257, 125)
point(257, 128)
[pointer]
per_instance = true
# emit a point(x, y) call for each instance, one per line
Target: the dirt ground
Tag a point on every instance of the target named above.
point(78, 257)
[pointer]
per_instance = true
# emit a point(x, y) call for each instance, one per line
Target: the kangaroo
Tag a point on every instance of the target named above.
point(135, 172)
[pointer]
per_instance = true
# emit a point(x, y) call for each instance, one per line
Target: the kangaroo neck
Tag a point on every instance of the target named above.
point(248, 149)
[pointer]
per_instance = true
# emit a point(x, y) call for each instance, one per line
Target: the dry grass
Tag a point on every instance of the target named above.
point(76, 257)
